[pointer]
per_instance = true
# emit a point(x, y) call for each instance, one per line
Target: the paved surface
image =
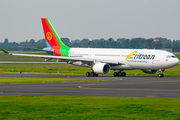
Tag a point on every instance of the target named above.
point(123, 86)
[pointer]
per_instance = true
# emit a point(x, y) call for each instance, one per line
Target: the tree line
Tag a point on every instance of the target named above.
point(134, 43)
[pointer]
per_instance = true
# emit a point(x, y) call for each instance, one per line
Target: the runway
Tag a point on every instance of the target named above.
point(120, 86)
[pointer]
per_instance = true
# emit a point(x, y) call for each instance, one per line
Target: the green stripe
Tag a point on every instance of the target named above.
point(64, 51)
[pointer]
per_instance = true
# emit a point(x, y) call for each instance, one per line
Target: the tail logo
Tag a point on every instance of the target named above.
point(48, 35)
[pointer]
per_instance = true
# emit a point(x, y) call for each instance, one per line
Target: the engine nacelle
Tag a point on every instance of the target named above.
point(150, 71)
point(101, 68)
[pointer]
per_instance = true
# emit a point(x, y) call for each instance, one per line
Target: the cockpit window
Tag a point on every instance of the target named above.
point(170, 56)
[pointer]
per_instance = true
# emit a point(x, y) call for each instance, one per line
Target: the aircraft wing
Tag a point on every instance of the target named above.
point(68, 58)
point(72, 59)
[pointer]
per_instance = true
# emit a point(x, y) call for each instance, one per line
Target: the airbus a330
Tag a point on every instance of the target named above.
point(101, 60)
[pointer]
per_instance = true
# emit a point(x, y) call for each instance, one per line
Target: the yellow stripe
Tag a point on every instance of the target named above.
point(130, 55)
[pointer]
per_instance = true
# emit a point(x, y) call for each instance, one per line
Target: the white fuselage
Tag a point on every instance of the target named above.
point(148, 59)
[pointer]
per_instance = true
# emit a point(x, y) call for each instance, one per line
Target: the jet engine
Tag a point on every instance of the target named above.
point(101, 68)
point(150, 71)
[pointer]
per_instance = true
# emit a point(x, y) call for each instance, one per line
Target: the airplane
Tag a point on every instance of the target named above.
point(101, 60)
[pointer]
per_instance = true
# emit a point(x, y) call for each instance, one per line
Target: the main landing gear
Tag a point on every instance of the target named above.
point(91, 74)
point(119, 74)
point(161, 72)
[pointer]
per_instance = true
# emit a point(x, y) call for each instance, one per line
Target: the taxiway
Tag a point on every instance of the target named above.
point(116, 86)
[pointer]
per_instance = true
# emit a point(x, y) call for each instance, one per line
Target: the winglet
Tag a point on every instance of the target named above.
point(5, 51)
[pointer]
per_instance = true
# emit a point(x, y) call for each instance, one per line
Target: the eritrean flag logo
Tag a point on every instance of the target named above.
point(48, 35)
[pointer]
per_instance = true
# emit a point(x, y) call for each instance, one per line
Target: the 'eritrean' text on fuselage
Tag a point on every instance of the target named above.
point(142, 56)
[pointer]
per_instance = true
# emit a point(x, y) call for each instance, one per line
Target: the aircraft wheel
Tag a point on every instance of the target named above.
point(92, 74)
point(161, 75)
point(96, 75)
point(115, 74)
point(119, 74)
point(124, 74)
point(87, 74)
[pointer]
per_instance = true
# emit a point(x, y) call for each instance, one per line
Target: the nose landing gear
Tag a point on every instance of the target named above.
point(161, 72)
point(161, 75)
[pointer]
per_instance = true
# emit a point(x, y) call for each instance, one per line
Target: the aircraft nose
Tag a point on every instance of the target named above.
point(176, 61)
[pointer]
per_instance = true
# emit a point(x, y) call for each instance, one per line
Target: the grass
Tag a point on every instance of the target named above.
point(17, 80)
point(42, 68)
point(68, 69)
point(18, 107)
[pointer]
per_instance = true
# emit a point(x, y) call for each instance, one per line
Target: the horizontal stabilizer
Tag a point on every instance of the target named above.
point(5, 51)
point(48, 51)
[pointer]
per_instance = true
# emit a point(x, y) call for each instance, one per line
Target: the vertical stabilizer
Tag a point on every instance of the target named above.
point(60, 49)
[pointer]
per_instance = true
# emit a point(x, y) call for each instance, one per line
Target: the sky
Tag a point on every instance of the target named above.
point(20, 20)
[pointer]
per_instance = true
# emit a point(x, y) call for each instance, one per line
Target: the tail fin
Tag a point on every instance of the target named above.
point(60, 49)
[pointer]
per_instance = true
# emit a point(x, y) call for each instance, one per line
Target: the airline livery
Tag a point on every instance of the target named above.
point(100, 60)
